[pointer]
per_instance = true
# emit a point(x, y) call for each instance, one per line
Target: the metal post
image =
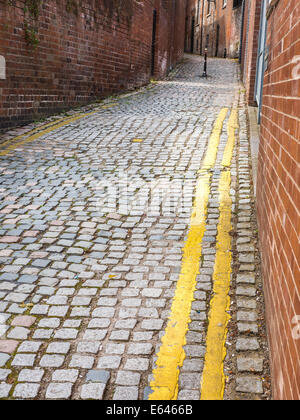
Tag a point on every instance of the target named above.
point(205, 64)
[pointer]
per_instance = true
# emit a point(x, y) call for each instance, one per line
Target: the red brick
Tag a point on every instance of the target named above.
point(278, 187)
point(83, 54)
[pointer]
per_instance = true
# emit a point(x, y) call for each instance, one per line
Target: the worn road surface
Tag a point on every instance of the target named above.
point(129, 266)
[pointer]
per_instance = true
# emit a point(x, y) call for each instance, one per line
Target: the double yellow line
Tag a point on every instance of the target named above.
point(38, 132)
point(171, 354)
point(213, 379)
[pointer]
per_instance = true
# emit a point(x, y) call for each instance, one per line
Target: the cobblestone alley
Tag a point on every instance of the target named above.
point(129, 262)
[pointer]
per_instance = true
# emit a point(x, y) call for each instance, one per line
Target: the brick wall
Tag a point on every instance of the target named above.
point(278, 196)
point(71, 52)
point(217, 26)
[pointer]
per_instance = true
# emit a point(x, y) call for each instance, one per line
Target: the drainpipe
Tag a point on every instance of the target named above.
point(242, 31)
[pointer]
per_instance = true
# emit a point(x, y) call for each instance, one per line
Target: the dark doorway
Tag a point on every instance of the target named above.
point(192, 35)
point(153, 42)
point(217, 40)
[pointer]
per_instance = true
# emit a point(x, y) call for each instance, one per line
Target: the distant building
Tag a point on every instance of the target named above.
point(215, 25)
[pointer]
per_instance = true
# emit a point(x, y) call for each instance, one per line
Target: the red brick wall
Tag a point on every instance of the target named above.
point(86, 50)
point(177, 31)
point(278, 196)
point(250, 47)
point(191, 13)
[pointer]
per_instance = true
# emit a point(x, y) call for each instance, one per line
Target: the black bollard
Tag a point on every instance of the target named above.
point(205, 64)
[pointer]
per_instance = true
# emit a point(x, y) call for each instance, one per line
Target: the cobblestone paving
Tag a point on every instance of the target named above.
point(94, 216)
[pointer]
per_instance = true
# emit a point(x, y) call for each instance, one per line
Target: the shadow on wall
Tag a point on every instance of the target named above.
point(214, 38)
point(218, 42)
point(221, 36)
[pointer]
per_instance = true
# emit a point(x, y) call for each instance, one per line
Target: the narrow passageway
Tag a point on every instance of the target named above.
point(128, 249)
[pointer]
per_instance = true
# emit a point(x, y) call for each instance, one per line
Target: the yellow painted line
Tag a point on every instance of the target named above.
point(232, 126)
point(171, 354)
point(35, 130)
point(44, 129)
point(137, 140)
point(108, 106)
point(213, 379)
point(41, 133)
point(210, 157)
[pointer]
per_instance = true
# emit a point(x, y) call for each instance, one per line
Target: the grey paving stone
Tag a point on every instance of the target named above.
point(58, 391)
point(189, 381)
point(58, 348)
point(18, 333)
point(247, 344)
point(105, 301)
point(26, 390)
point(98, 376)
point(103, 312)
point(143, 336)
point(24, 360)
point(29, 279)
point(49, 323)
point(192, 365)
point(4, 374)
point(128, 378)
point(148, 313)
point(140, 348)
point(137, 364)
point(246, 327)
point(246, 278)
point(79, 361)
point(31, 375)
point(65, 375)
point(99, 323)
point(51, 361)
point(152, 324)
point(92, 391)
point(3, 359)
point(194, 350)
point(126, 323)
point(250, 364)
point(94, 335)
point(66, 334)
point(109, 362)
point(188, 395)
point(125, 313)
point(247, 316)
point(120, 335)
point(123, 393)
point(114, 348)
point(249, 384)
point(246, 291)
point(88, 347)
point(4, 390)
point(39, 310)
